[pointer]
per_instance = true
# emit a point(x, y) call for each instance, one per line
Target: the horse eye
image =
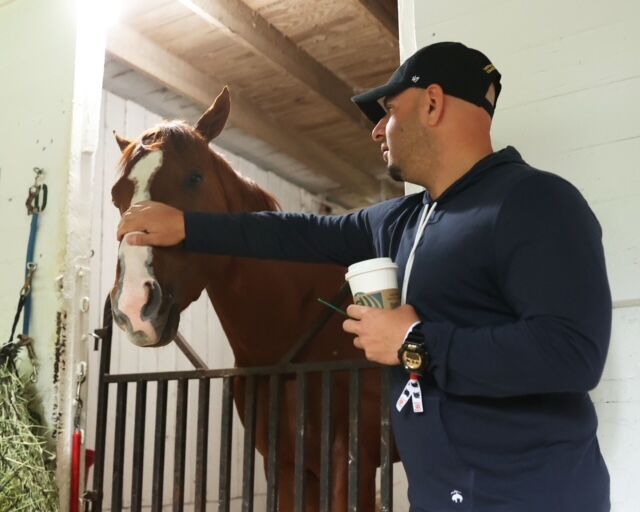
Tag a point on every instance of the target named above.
point(195, 179)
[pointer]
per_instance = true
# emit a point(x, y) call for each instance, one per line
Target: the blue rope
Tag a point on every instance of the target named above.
point(30, 257)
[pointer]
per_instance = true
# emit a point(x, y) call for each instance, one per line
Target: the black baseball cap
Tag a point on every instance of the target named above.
point(461, 72)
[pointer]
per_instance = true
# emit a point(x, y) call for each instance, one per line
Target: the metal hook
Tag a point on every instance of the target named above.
point(82, 376)
point(26, 288)
point(38, 192)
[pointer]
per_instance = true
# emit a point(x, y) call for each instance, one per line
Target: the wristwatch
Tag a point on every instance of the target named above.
point(413, 354)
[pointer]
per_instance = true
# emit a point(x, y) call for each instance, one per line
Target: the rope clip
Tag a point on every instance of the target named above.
point(81, 377)
point(26, 288)
point(36, 191)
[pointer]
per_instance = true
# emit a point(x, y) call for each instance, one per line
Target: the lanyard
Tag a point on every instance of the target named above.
point(424, 219)
point(411, 392)
point(412, 389)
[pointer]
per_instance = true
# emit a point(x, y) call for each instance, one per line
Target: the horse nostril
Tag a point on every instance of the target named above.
point(154, 299)
point(118, 317)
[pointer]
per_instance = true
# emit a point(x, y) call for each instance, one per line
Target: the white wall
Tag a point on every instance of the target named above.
point(51, 63)
point(199, 323)
point(570, 104)
point(35, 130)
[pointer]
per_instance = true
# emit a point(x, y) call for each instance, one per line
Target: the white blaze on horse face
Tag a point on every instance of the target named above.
point(140, 294)
point(142, 175)
point(136, 283)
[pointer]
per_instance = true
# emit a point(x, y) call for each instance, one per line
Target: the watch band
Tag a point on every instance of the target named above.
point(413, 354)
point(415, 334)
point(411, 327)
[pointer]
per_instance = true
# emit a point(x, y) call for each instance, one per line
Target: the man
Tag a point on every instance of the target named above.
point(507, 309)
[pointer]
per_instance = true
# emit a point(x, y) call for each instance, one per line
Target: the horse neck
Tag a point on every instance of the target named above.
point(261, 306)
point(256, 299)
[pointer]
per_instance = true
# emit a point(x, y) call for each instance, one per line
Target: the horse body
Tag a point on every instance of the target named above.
point(264, 306)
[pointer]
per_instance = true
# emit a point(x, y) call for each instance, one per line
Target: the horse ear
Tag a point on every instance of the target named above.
point(213, 120)
point(122, 142)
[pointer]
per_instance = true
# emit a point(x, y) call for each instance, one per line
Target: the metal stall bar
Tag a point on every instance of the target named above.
point(138, 447)
point(265, 371)
point(326, 436)
point(326, 370)
point(273, 455)
point(118, 447)
point(354, 448)
point(103, 335)
point(158, 447)
point(202, 443)
point(249, 449)
point(226, 434)
point(188, 351)
point(180, 446)
point(301, 444)
point(386, 446)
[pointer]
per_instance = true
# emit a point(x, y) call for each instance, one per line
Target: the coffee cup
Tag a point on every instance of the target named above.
point(374, 283)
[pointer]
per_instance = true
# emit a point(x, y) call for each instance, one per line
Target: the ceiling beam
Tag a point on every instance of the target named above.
point(248, 28)
point(383, 14)
point(152, 60)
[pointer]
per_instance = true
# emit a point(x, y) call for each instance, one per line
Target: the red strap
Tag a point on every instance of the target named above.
point(76, 448)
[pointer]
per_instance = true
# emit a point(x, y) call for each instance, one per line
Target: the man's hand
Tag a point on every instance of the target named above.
point(162, 224)
point(380, 332)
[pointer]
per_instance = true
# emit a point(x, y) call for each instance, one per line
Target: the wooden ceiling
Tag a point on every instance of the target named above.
point(291, 66)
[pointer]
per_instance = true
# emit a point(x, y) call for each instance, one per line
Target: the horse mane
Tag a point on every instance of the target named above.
point(180, 135)
point(261, 199)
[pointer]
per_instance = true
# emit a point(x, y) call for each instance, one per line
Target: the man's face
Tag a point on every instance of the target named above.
point(402, 138)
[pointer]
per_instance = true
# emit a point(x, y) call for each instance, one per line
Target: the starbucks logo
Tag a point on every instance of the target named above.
point(373, 300)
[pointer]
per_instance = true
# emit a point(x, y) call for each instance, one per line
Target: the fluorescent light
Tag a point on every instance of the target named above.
point(104, 13)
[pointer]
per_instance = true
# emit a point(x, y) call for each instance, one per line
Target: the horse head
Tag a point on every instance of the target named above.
point(170, 163)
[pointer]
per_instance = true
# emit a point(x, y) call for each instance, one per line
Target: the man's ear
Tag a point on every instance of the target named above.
point(432, 105)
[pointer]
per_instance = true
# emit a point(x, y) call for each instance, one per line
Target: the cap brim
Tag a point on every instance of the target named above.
point(368, 102)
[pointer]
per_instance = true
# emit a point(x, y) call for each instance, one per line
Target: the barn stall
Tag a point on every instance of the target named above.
point(200, 326)
point(137, 59)
point(54, 66)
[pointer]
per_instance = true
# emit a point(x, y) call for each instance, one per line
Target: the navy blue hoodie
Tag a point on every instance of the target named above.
point(510, 281)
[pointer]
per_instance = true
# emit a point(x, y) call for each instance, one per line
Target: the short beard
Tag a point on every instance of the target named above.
point(395, 173)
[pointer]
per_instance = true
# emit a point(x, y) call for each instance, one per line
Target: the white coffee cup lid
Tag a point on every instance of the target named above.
point(370, 265)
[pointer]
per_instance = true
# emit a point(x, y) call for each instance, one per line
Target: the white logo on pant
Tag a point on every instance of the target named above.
point(456, 497)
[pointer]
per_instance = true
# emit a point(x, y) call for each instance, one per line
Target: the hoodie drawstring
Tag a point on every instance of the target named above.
point(424, 219)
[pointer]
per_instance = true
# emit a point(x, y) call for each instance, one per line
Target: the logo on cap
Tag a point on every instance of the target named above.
point(489, 68)
point(415, 78)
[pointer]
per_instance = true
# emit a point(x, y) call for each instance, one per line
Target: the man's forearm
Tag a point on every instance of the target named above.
point(280, 236)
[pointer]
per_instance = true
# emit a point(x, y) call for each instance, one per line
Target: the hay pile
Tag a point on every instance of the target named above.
point(27, 480)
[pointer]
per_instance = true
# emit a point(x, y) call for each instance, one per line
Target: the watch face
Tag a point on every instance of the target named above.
point(412, 360)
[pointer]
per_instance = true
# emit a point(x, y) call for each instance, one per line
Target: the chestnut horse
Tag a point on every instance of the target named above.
point(264, 306)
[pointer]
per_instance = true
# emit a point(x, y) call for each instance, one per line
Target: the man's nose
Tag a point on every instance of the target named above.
point(377, 134)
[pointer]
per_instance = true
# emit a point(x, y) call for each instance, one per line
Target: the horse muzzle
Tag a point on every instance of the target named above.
point(149, 317)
